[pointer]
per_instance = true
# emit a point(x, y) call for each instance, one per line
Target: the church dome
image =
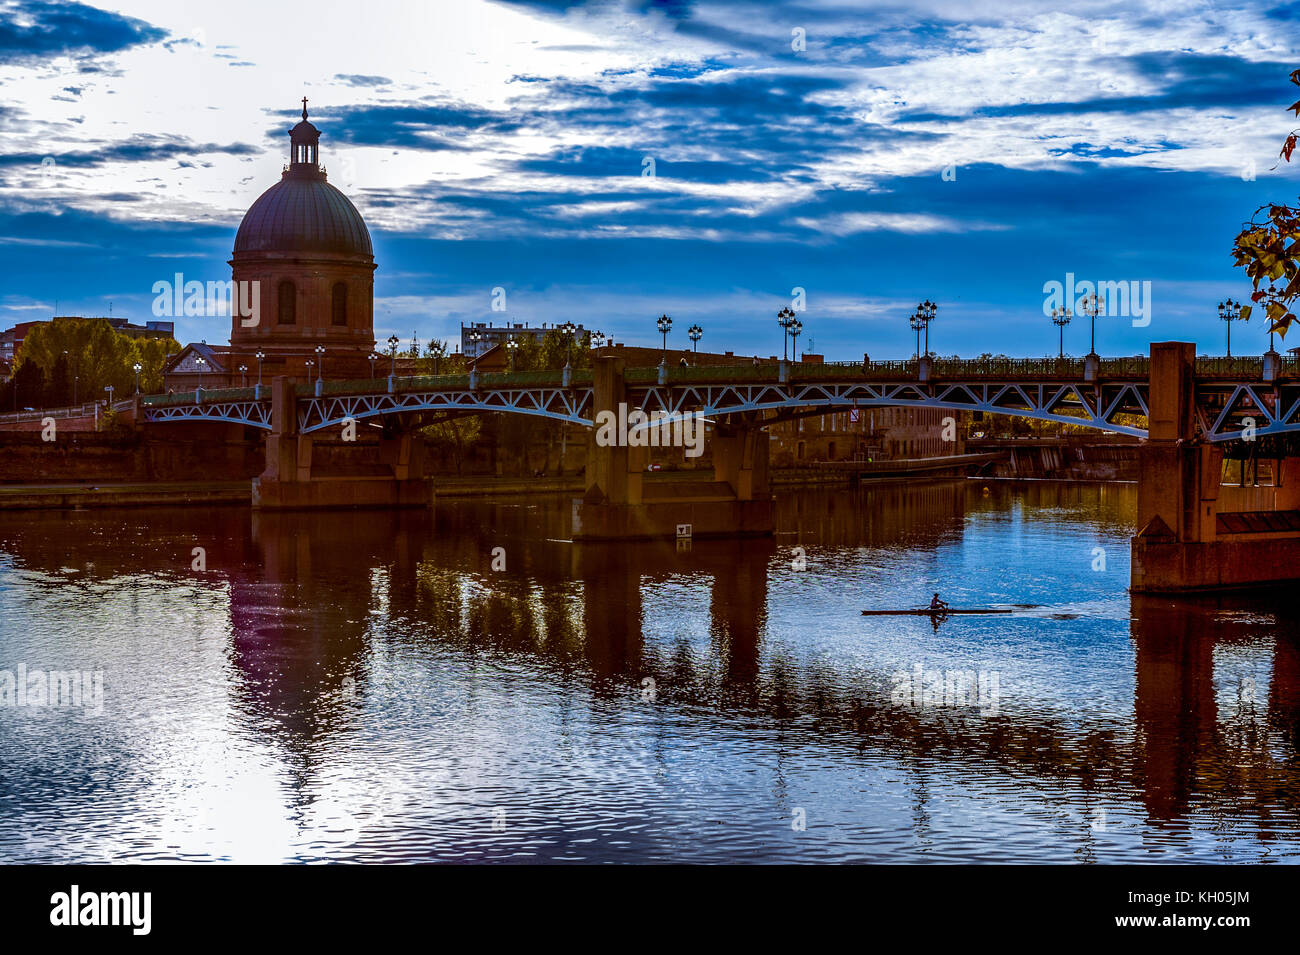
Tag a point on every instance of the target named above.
point(302, 212)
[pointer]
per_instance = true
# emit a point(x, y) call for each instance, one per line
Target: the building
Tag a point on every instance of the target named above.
point(307, 251)
point(867, 434)
point(480, 337)
point(199, 365)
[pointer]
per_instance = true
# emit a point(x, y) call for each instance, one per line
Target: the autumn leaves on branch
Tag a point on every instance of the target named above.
point(1268, 248)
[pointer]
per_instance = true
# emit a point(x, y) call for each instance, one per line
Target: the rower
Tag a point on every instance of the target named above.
point(937, 604)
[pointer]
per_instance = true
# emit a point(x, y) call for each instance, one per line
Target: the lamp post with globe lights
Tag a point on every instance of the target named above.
point(568, 330)
point(243, 376)
point(916, 324)
point(784, 318)
point(320, 361)
point(137, 368)
point(795, 330)
point(695, 333)
point(512, 345)
point(1092, 305)
point(373, 358)
point(1229, 312)
point(1060, 318)
point(664, 324)
point(393, 342)
point(259, 356)
point(927, 311)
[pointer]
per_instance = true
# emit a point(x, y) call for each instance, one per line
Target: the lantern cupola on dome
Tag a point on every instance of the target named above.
point(304, 153)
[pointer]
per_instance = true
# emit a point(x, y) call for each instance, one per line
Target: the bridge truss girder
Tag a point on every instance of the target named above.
point(558, 404)
point(1088, 405)
point(256, 414)
point(1230, 411)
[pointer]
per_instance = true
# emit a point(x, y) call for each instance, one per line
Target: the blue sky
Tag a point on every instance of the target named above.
point(503, 144)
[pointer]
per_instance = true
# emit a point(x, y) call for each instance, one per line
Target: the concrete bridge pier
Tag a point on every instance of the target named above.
point(290, 482)
point(1181, 543)
point(621, 504)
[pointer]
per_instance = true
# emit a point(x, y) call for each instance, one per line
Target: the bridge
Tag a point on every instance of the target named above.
point(1187, 410)
point(1107, 394)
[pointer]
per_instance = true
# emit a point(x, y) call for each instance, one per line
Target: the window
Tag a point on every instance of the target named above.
point(339, 305)
point(287, 306)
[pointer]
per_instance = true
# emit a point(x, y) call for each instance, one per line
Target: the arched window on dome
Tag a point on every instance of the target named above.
point(339, 304)
point(287, 311)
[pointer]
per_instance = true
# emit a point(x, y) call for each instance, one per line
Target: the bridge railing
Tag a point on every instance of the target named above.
point(1137, 366)
point(215, 394)
point(1247, 367)
point(76, 411)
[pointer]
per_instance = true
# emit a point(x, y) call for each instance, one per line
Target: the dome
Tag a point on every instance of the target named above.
point(303, 214)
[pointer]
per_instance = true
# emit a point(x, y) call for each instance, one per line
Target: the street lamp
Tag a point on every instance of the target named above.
point(695, 333)
point(511, 345)
point(784, 318)
point(309, 364)
point(320, 364)
point(1060, 318)
point(392, 354)
point(926, 312)
point(201, 363)
point(1229, 311)
point(664, 324)
point(795, 329)
point(373, 358)
point(917, 323)
point(243, 376)
point(1092, 307)
point(568, 330)
point(136, 368)
point(259, 356)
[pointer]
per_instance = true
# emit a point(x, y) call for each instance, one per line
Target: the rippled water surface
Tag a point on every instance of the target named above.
point(366, 686)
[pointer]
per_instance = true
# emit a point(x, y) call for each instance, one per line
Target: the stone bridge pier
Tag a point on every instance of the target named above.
point(623, 502)
point(293, 480)
point(1187, 539)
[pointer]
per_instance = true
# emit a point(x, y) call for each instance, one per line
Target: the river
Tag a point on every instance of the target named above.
point(468, 685)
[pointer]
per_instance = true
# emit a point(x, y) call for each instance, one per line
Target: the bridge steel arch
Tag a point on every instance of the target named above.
point(1067, 403)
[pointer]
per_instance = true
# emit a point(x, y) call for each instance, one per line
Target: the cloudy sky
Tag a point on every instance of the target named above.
point(870, 154)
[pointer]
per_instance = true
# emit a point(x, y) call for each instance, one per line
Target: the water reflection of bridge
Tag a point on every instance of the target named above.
point(303, 588)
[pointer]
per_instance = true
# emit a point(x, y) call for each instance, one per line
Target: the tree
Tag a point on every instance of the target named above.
point(58, 391)
point(26, 389)
point(95, 355)
point(1268, 248)
point(455, 436)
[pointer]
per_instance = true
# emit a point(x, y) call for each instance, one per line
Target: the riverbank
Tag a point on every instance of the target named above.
point(21, 497)
point(72, 496)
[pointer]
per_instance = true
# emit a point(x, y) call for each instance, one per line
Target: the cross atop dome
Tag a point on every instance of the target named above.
point(304, 108)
